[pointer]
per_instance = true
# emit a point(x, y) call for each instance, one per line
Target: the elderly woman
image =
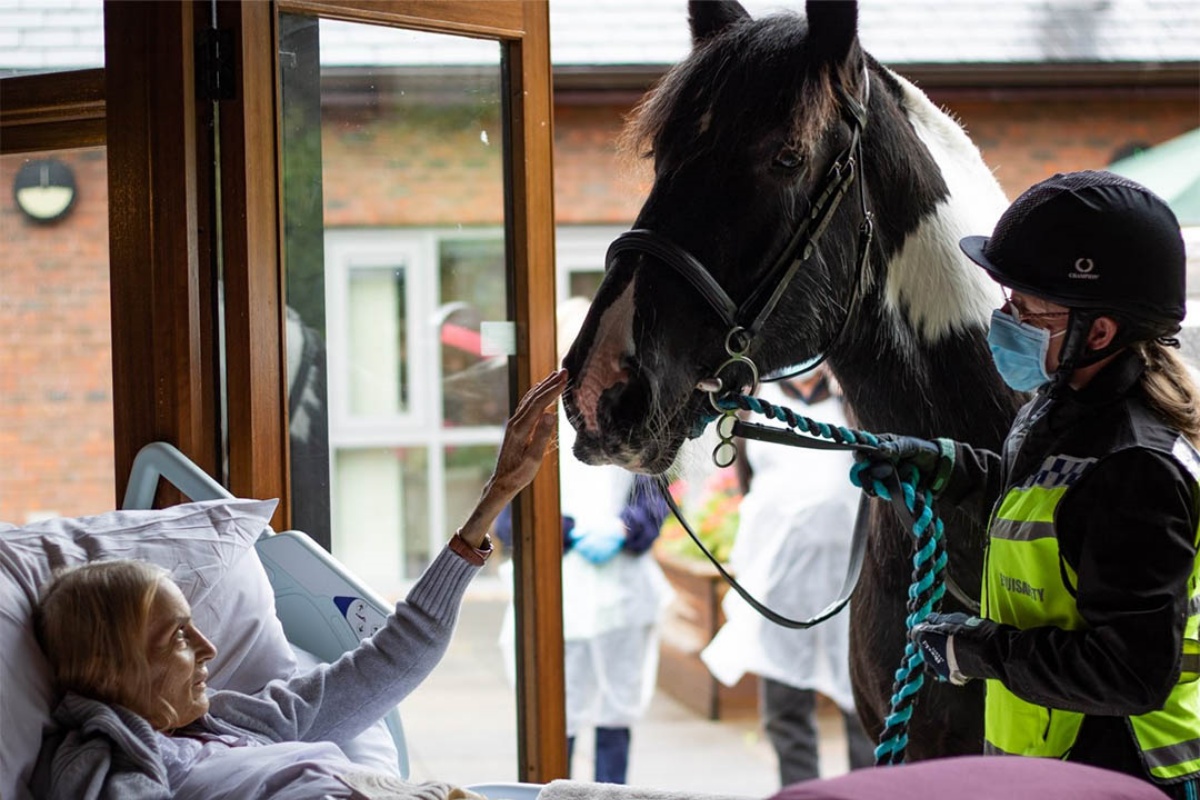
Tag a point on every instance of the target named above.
point(138, 722)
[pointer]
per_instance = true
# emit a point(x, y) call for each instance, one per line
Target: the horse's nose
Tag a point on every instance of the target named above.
point(601, 375)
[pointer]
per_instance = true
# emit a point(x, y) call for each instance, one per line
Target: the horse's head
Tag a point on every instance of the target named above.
point(743, 134)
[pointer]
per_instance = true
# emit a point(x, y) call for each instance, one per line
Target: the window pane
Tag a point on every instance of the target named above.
point(56, 414)
point(377, 368)
point(382, 491)
point(467, 469)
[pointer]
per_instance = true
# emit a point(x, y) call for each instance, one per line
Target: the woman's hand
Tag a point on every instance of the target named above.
point(529, 430)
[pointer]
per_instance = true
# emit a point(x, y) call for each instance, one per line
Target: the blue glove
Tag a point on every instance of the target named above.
point(598, 543)
point(935, 636)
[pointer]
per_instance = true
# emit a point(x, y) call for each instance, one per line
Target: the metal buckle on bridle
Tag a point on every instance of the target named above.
point(737, 343)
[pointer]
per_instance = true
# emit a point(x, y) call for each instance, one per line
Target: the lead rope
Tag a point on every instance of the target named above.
point(928, 584)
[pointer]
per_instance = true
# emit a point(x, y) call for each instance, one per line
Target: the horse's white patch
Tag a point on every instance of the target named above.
point(602, 368)
point(929, 279)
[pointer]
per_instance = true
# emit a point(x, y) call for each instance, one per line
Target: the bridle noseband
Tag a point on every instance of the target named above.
point(744, 322)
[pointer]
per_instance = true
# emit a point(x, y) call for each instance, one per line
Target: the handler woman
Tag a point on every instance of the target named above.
point(1088, 641)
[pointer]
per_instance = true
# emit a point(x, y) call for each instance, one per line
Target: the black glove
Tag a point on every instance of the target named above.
point(933, 459)
point(937, 636)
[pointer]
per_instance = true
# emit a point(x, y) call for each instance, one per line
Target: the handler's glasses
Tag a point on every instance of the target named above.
point(1013, 306)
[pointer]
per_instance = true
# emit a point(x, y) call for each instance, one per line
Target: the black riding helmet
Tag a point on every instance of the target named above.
point(1098, 244)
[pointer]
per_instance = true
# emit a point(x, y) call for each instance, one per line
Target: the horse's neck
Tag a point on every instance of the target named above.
point(948, 388)
point(917, 361)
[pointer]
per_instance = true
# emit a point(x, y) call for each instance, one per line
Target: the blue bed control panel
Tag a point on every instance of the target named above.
point(362, 617)
point(323, 609)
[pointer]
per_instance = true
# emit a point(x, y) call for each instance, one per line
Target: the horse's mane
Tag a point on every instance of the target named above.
point(703, 86)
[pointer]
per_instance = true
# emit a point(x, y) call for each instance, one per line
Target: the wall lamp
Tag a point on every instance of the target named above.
point(44, 190)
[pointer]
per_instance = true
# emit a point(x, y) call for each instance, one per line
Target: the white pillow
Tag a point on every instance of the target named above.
point(207, 546)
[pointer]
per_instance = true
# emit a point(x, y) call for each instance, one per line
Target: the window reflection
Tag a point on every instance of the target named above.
point(475, 385)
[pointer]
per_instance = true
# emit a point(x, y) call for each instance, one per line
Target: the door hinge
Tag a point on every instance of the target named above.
point(214, 64)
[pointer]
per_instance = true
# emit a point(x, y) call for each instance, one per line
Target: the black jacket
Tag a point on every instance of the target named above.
point(1127, 528)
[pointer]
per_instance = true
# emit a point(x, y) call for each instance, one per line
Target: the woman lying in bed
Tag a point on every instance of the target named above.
point(138, 722)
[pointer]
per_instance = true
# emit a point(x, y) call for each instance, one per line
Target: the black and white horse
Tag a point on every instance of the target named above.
point(742, 134)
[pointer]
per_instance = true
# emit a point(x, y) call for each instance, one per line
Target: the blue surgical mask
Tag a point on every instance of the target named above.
point(1019, 350)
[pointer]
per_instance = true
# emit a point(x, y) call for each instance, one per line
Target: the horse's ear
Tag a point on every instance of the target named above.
point(710, 17)
point(832, 28)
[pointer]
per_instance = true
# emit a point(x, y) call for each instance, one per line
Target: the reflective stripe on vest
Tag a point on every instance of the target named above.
point(1023, 586)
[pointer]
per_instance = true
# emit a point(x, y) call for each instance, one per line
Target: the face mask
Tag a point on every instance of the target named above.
point(1019, 351)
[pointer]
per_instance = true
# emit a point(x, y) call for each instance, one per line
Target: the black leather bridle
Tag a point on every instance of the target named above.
point(744, 322)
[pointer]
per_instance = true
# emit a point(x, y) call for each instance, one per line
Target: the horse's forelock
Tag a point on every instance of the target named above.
point(813, 114)
point(772, 48)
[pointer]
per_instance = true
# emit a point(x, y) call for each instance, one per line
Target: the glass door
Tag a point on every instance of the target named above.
point(416, 293)
point(195, 139)
point(395, 275)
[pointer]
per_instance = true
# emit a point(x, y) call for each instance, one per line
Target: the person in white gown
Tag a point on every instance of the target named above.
point(791, 552)
point(614, 592)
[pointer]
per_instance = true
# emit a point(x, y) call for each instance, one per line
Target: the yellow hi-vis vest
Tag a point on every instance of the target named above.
point(1023, 586)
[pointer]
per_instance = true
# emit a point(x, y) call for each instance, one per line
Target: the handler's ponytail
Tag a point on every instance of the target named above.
point(1170, 388)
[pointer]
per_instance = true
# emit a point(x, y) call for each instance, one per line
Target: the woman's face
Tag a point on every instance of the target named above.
point(177, 653)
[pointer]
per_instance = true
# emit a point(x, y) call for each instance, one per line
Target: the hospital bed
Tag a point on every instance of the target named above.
point(324, 609)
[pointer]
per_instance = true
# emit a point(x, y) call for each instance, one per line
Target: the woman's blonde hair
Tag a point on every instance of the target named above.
point(1170, 389)
point(91, 623)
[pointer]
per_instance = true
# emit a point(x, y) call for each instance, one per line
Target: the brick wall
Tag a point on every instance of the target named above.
point(1023, 141)
point(1027, 141)
point(593, 182)
point(380, 172)
point(411, 169)
point(56, 425)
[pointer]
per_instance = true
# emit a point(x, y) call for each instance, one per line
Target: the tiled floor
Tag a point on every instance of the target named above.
point(461, 728)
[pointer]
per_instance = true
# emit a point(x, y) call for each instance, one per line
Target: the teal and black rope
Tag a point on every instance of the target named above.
point(929, 559)
point(837, 433)
point(924, 596)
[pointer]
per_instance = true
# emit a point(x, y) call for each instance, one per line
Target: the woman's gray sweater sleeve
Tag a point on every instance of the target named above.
point(335, 702)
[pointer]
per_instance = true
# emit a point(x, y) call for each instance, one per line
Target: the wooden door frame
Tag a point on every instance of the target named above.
point(160, 230)
point(52, 111)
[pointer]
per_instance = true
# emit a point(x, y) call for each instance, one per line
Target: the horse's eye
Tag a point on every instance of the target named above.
point(788, 159)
